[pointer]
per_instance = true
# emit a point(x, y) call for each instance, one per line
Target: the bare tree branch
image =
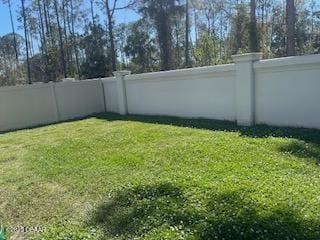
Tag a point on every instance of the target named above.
point(124, 7)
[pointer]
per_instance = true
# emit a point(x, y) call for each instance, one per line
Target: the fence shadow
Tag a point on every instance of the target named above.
point(301, 150)
point(141, 210)
point(45, 124)
point(257, 131)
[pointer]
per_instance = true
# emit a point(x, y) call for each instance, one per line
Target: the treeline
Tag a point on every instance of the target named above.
point(83, 39)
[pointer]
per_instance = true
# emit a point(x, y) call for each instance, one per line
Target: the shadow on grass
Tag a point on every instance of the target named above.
point(45, 124)
point(302, 150)
point(163, 211)
point(307, 146)
point(257, 131)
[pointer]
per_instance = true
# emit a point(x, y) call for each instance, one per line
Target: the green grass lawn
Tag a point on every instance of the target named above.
point(112, 177)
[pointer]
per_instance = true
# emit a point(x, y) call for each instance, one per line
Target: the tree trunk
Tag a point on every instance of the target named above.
point(30, 36)
point(253, 44)
point(164, 30)
point(73, 40)
point(195, 26)
point(48, 21)
point(111, 38)
point(290, 25)
point(187, 56)
point(65, 35)
point(43, 40)
point(63, 62)
point(92, 14)
point(13, 31)
point(220, 37)
point(26, 40)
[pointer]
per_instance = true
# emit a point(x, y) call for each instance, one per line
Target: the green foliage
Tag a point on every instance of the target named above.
point(239, 35)
point(162, 13)
point(7, 46)
point(96, 63)
point(278, 46)
point(253, 38)
point(140, 48)
point(205, 51)
point(9, 72)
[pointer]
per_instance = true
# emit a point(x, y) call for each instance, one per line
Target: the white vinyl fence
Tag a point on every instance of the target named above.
point(282, 92)
point(37, 104)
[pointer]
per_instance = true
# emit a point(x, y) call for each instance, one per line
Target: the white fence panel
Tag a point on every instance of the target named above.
point(79, 98)
point(27, 106)
point(288, 91)
point(206, 92)
point(110, 91)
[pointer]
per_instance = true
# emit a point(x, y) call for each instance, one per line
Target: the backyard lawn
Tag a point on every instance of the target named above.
point(112, 177)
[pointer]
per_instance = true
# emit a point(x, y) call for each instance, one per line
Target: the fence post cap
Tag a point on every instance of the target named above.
point(247, 57)
point(121, 73)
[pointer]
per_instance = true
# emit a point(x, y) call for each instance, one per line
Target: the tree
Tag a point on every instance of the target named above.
point(67, 38)
point(205, 51)
point(140, 48)
point(9, 70)
point(290, 26)
point(178, 39)
point(43, 40)
point(62, 56)
point(12, 27)
point(254, 44)
point(187, 50)
point(92, 13)
point(278, 33)
point(73, 39)
point(26, 40)
point(161, 13)
point(239, 35)
point(96, 63)
point(110, 10)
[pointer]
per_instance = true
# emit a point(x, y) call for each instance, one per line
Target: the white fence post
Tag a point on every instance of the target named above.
point(55, 102)
point(244, 86)
point(121, 91)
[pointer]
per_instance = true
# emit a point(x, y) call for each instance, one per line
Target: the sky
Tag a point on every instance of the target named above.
point(123, 16)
